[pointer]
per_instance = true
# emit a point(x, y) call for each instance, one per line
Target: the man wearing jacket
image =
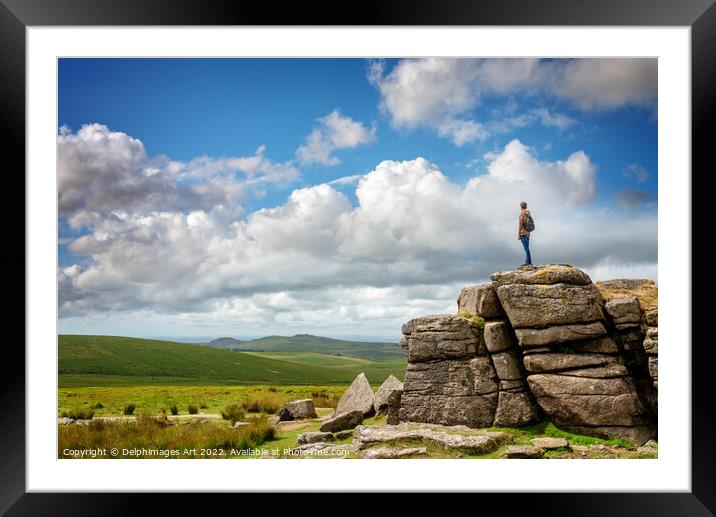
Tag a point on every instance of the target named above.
point(523, 234)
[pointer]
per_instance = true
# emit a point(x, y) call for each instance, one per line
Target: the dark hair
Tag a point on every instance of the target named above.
point(523, 204)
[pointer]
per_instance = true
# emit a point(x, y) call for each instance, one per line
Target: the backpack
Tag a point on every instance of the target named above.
point(529, 223)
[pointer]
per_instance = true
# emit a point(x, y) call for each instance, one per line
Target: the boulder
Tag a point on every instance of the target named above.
point(652, 317)
point(539, 306)
point(559, 334)
point(473, 411)
point(381, 396)
point(393, 410)
point(481, 300)
point(507, 366)
point(497, 336)
point(579, 401)
point(550, 443)
point(624, 310)
point(65, 421)
point(450, 437)
point(542, 363)
point(342, 422)
point(542, 275)
point(392, 453)
point(523, 452)
point(441, 337)
point(459, 377)
point(515, 409)
point(297, 409)
point(358, 397)
point(342, 435)
point(314, 437)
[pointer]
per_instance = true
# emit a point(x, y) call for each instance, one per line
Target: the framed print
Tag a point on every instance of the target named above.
point(254, 237)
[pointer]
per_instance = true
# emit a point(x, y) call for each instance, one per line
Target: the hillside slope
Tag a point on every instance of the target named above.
point(109, 360)
point(372, 351)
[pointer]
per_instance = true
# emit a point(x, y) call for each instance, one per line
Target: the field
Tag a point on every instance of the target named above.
point(153, 399)
point(124, 361)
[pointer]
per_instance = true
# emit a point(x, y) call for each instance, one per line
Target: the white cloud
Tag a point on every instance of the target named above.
point(318, 262)
point(335, 132)
point(101, 170)
point(346, 180)
point(603, 84)
point(443, 93)
point(462, 132)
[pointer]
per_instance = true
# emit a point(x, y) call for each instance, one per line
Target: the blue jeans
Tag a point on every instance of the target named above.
point(526, 245)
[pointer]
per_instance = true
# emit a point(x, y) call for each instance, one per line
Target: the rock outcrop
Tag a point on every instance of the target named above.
point(297, 409)
point(537, 341)
point(382, 396)
point(358, 397)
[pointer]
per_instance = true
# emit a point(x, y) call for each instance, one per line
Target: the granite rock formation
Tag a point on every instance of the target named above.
point(535, 342)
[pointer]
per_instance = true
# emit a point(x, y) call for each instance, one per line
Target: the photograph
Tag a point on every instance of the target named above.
point(406, 257)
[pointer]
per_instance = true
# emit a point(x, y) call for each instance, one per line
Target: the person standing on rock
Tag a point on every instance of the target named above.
point(525, 227)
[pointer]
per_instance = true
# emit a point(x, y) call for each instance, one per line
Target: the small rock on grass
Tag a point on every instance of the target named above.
point(391, 453)
point(240, 424)
point(314, 437)
point(523, 452)
point(342, 422)
point(550, 443)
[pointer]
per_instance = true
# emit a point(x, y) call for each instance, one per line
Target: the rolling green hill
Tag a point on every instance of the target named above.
point(113, 360)
point(323, 345)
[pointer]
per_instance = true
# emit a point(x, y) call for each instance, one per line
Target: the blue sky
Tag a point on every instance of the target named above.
point(249, 150)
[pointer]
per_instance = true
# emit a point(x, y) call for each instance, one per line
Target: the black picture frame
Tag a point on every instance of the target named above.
point(699, 15)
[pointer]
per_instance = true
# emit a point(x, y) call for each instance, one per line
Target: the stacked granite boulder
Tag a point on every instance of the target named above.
point(515, 404)
point(535, 341)
point(449, 379)
point(575, 367)
point(465, 369)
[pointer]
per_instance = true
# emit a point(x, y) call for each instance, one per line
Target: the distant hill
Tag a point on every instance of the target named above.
point(114, 360)
point(371, 351)
point(226, 343)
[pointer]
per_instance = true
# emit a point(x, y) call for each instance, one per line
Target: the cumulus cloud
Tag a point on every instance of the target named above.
point(335, 132)
point(604, 84)
point(100, 170)
point(318, 261)
point(442, 93)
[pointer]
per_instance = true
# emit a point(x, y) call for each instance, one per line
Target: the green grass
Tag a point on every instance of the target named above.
point(156, 398)
point(148, 433)
point(117, 361)
point(545, 428)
